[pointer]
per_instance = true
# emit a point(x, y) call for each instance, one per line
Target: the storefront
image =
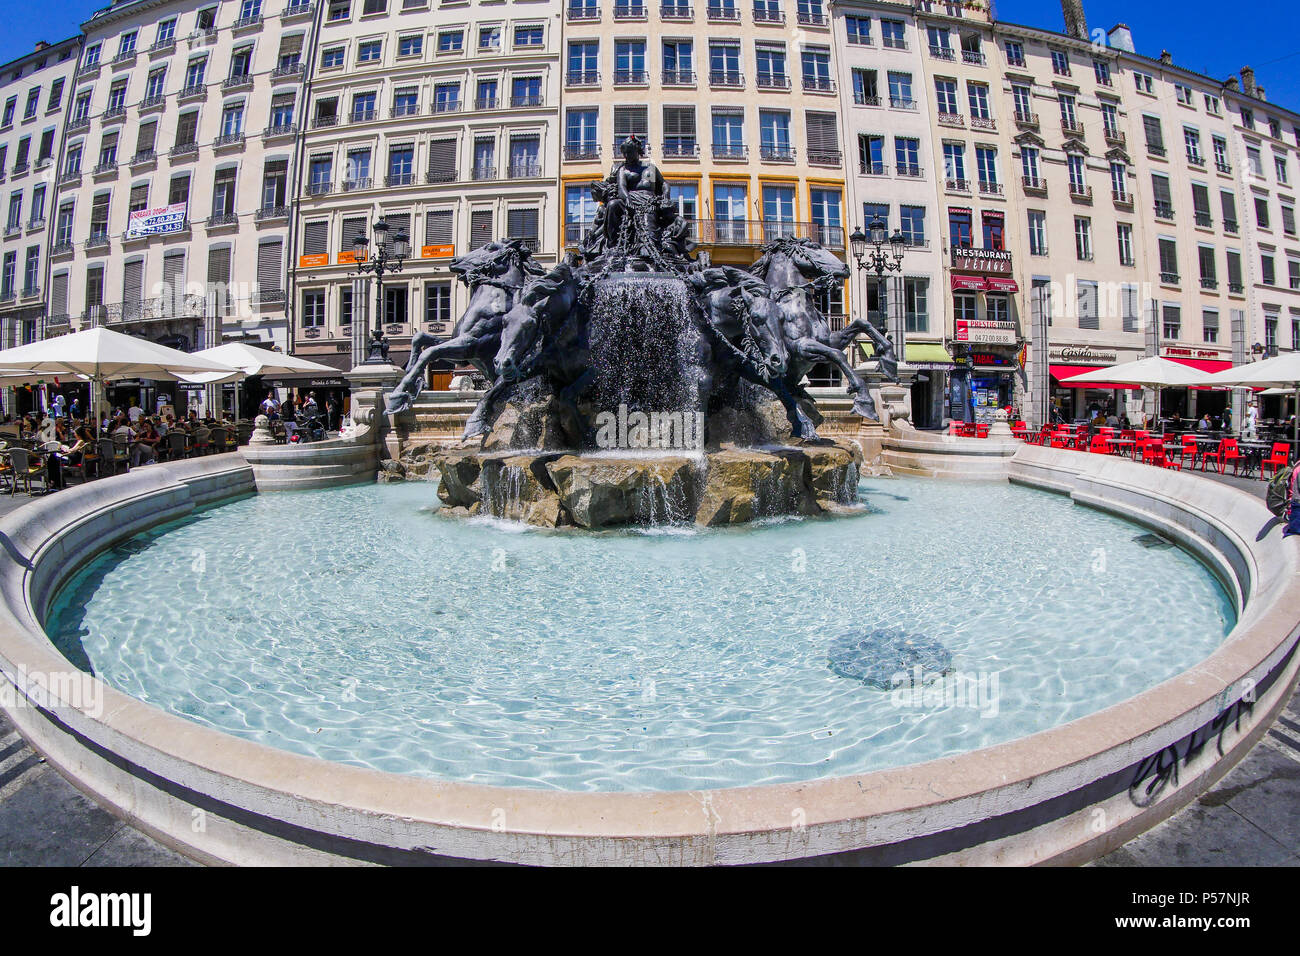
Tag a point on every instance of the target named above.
point(986, 341)
point(1192, 403)
point(932, 365)
point(1081, 403)
point(982, 382)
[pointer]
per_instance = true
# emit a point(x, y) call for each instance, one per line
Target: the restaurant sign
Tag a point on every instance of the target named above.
point(993, 261)
point(986, 333)
point(1172, 352)
point(156, 221)
point(1082, 355)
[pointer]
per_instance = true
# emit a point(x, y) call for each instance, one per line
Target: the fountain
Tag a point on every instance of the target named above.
point(637, 383)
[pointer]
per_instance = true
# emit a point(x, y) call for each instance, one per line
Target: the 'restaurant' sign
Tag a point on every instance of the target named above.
point(995, 261)
point(985, 333)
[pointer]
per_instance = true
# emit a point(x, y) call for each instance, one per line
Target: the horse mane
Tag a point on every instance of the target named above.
point(546, 284)
point(729, 277)
point(791, 246)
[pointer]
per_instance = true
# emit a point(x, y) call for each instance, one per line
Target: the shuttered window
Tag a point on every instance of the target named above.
point(1160, 188)
point(823, 140)
point(522, 224)
point(679, 121)
point(353, 226)
point(139, 198)
point(398, 222)
point(94, 292)
point(219, 279)
point(480, 227)
point(146, 138)
point(270, 256)
point(174, 275)
point(1155, 135)
point(315, 237)
point(442, 161)
point(630, 120)
point(438, 227)
point(59, 296)
point(132, 284)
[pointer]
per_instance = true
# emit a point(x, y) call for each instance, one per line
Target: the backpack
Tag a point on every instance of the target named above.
point(1278, 496)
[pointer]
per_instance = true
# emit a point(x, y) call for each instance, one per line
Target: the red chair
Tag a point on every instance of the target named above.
point(981, 431)
point(1279, 459)
point(1153, 453)
point(1101, 445)
point(1190, 447)
point(1226, 452)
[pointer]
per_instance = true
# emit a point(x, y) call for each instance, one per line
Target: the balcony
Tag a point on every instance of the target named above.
point(730, 151)
point(1209, 283)
point(629, 11)
point(271, 213)
point(247, 23)
point(954, 185)
point(288, 70)
point(70, 176)
point(1122, 198)
point(143, 157)
point(899, 103)
point(1204, 220)
point(436, 176)
point(734, 81)
point(526, 101)
point(196, 92)
point(183, 149)
point(325, 120)
point(676, 11)
point(1196, 160)
point(19, 169)
point(1169, 278)
point(155, 101)
point(530, 169)
point(240, 81)
point(13, 229)
point(872, 169)
point(809, 19)
point(296, 11)
point(1115, 138)
point(584, 14)
point(365, 116)
point(776, 154)
point(87, 71)
point(227, 140)
point(63, 249)
point(749, 232)
point(943, 53)
point(582, 153)
point(769, 16)
point(819, 84)
point(97, 241)
point(487, 103)
point(78, 124)
point(399, 179)
point(952, 119)
point(910, 171)
point(113, 114)
point(320, 188)
point(1015, 59)
point(1230, 226)
point(861, 99)
point(1080, 193)
point(1164, 211)
point(278, 130)
point(680, 148)
point(125, 58)
point(484, 173)
point(719, 13)
point(1236, 288)
point(405, 109)
point(105, 169)
point(1071, 127)
point(631, 78)
point(678, 78)
point(983, 122)
point(582, 78)
point(990, 188)
point(1225, 168)
point(772, 81)
point(974, 58)
point(1153, 150)
point(824, 157)
point(359, 182)
point(221, 220)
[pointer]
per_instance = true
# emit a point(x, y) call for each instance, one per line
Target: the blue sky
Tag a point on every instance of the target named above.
point(1201, 35)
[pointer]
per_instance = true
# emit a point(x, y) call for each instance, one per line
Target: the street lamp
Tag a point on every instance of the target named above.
point(877, 259)
point(387, 257)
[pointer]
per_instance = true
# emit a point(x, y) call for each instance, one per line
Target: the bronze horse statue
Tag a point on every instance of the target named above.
point(495, 273)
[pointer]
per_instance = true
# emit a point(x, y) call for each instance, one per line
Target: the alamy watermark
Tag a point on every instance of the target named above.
point(923, 689)
point(75, 689)
point(631, 430)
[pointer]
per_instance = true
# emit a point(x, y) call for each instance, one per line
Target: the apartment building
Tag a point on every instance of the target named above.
point(173, 206)
point(887, 108)
point(443, 123)
point(33, 90)
point(739, 103)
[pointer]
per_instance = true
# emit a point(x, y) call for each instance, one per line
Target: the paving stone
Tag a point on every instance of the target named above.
point(47, 822)
point(130, 847)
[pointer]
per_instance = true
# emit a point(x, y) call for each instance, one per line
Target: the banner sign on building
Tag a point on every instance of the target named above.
point(313, 259)
point(997, 261)
point(156, 221)
point(986, 333)
point(437, 252)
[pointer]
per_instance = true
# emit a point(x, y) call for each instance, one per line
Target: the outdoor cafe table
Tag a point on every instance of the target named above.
point(1125, 445)
point(1254, 452)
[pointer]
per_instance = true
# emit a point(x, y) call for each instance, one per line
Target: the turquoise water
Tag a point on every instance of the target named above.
point(356, 625)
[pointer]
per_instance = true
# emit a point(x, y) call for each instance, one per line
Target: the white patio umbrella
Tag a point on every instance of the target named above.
point(1282, 371)
point(103, 355)
point(251, 360)
point(1156, 373)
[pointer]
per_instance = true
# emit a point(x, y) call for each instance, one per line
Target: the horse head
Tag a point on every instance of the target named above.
point(519, 332)
point(493, 260)
point(813, 260)
point(766, 322)
point(545, 298)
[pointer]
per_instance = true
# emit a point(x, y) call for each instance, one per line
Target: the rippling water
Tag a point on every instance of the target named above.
point(356, 625)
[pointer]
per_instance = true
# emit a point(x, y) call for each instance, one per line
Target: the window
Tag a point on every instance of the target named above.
point(912, 224)
point(451, 41)
point(332, 58)
point(410, 46)
point(945, 97)
point(1234, 271)
point(357, 174)
point(437, 303)
point(1029, 167)
point(900, 91)
point(580, 132)
point(489, 38)
point(1154, 134)
point(866, 91)
point(960, 232)
point(1280, 164)
point(232, 120)
point(1221, 154)
point(1144, 82)
point(1288, 219)
point(1110, 120)
point(526, 91)
point(1201, 206)
point(994, 230)
point(769, 60)
point(1119, 181)
point(525, 156)
point(1124, 232)
point(1101, 69)
point(1078, 167)
point(1253, 160)
point(442, 161)
point(1261, 212)
point(485, 158)
point(528, 36)
point(338, 10)
point(986, 163)
point(1229, 203)
point(1015, 53)
point(1209, 326)
point(892, 35)
point(1212, 105)
point(1168, 261)
point(629, 61)
point(1023, 99)
point(916, 294)
point(56, 95)
point(1173, 321)
point(729, 211)
point(1205, 259)
point(1083, 238)
point(817, 69)
point(1192, 141)
point(33, 102)
point(859, 30)
point(313, 308)
point(907, 155)
point(774, 134)
point(954, 165)
point(978, 96)
point(370, 51)
point(1184, 95)
point(679, 131)
point(728, 133)
point(1268, 269)
point(823, 139)
point(1069, 117)
point(965, 308)
point(1060, 63)
point(223, 193)
point(1087, 297)
point(1164, 202)
point(406, 101)
point(63, 225)
point(827, 222)
point(401, 165)
point(194, 72)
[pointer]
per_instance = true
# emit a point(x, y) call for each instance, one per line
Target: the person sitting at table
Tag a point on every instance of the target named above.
point(1205, 425)
point(146, 441)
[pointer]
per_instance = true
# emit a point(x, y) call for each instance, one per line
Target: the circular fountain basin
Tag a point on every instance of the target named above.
point(356, 625)
point(1095, 777)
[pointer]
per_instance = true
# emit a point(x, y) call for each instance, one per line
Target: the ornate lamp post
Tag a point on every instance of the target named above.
point(387, 257)
point(876, 259)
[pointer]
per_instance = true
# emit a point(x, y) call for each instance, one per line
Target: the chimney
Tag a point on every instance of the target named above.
point(1166, 58)
point(1248, 81)
point(41, 45)
point(1076, 24)
point(1259, 92)
point(1232, 83)
point(1121, 38)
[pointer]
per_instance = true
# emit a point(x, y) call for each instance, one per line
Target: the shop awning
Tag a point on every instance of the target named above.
point(1063, 374)
point(1001, 284)
point(927, 355)
point(1202, 365)
point(969, 283)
